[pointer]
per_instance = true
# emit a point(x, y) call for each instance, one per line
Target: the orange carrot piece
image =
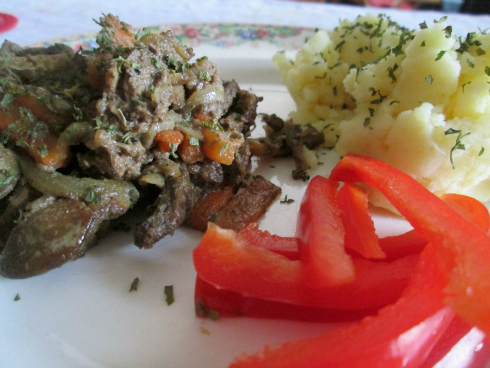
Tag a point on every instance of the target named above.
point(123, 33)
point(203, 118)
point(169, 140)
point(190, 153)
point(208, 206)
point(32, 133)
point(220, 147)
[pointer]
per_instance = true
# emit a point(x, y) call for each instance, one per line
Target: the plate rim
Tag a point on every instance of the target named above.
point(198, 41)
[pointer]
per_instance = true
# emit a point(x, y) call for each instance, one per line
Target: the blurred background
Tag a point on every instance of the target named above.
point(456, 6)
point(30, 21)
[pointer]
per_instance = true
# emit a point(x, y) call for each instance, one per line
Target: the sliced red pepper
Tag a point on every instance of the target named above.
point(286, 246)
point(470, 208)
point(411, 243)
point(463, 343)
point(401, 335)
point(213, 302)
point(321, 235)
point(463, 246)
point(394, 247)
point(224, 260)
point(402, 245)
point(360, 234)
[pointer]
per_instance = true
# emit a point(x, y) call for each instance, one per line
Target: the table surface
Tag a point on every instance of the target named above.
point(41, 20)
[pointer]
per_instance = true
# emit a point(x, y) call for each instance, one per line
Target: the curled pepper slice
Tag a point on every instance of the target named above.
point(463, 246)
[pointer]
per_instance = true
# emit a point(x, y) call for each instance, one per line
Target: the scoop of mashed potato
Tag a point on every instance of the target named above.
point(416, 99)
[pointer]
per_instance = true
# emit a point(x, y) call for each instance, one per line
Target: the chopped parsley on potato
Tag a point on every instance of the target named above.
point(416, 99)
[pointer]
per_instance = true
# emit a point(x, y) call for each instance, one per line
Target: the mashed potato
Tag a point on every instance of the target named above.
point(416, 99)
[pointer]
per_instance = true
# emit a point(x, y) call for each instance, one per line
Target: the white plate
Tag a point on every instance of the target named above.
point(83, 315)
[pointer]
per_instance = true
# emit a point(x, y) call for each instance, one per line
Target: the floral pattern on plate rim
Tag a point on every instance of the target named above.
point(224, 35)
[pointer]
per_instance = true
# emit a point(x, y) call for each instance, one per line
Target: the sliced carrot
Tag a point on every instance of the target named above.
point(41, 111)
point(202, 117)
point(96, 74)
point(47, 152)
point(123, 33)
point(208, 206)
point(189, 152)
point(218, 146)
point(32, 133)
point(169, 140)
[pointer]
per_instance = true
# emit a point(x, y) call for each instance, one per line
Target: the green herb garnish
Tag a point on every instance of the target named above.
point(43, 151)
point(465, 84)
point(286, 200)
point(77, 115)
point(134, 285)
point(143, 32)
point(6, 177)
point(448, 31)
point(223, 148)
point(126, 138)
point(205, 76)
point(213, 125)
point(173, 148)
point(440, 55)
point(378, 100)
point(158, 64)
point(169, 294)
point(92, 196)
point(391, 72)
point(22, 144)
point(7, 99)
point(458, 145)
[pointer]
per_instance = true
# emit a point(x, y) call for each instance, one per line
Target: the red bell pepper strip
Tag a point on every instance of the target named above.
point(223, 259)
point(461, 342)
point(401, 335)
point(402, 245)
point(360, 234)
point(470, 208)
point(286, 246)
point(212, 302)
point(394, 247)
point(321, 233)
point(463, 245)
point(411, 243)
